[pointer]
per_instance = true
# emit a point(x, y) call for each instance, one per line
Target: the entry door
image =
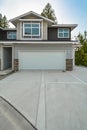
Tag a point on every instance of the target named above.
point(7, 57)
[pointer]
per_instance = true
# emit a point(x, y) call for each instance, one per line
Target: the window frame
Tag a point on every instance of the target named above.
point(11, 35)
point(32, 35)
point(64, 32)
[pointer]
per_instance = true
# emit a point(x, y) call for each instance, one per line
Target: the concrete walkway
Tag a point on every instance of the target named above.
point(5, 72)
point(51, 100)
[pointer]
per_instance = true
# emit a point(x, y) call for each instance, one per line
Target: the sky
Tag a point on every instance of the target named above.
point(66, 11)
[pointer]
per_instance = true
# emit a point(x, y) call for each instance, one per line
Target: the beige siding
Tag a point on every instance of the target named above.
point(18, 31)
point(31, 17)
point(44, 26)
point(0, 52)
point(45, 30)
point(69, 54)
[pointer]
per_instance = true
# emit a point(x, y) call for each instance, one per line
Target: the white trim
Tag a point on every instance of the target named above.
point(72, 26)
point(12, 57)
point(73, 56)
point(30, 39)
point(31, 29)
point(8, 28)
point(37, 42)
point(1, 57)
point(21, 30)
point(42, 30)
point(28, 13)
point(36, 20)
point(2, 46)
point(63, 32)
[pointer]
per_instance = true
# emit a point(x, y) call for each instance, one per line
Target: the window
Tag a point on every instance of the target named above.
point(11, 35)
point(31, 29)
point(63, 33)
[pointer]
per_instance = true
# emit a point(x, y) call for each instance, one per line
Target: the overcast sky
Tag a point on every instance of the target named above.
point(67, 11)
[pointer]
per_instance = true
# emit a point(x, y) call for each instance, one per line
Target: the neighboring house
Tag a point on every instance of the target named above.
point(36, 43)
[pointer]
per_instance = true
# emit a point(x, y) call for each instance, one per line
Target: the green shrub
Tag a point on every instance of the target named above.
point(79, 57)
point(85, 59)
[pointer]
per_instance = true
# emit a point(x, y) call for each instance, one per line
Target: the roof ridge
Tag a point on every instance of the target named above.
point(31, 12)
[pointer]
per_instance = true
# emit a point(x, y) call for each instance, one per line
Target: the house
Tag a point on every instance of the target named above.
point(36, 43)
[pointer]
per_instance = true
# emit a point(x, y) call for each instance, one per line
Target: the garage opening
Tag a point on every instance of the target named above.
point(42, 60)
point(7, 57)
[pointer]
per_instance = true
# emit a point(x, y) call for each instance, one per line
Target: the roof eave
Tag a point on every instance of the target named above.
point(72, 26)
point(39, 42)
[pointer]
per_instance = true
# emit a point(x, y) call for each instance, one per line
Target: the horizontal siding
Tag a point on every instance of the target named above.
point(52, 35)
point(3, 35)
point(49, 35)
point(67, 48)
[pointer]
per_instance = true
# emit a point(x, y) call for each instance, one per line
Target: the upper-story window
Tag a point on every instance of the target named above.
point(63, 33)
point(31, 29)
point(11, 35)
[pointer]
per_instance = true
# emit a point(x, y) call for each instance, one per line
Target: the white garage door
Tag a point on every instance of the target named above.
point(42, 60)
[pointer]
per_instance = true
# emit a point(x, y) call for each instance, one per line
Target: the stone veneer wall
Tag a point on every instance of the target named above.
point(69, 64)
point(16, 64)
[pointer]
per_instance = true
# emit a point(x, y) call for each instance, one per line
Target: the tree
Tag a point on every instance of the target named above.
point(48, 12)
point(0, 20)
point(3, 21)
point(82, 38)
point(85, 60)
point(81, 53)
point(79, 56)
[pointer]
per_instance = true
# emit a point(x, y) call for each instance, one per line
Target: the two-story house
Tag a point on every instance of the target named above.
point(36, 43)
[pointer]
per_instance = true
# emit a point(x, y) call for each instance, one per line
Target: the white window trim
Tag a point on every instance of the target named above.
point(63, 33)
point(31, 29)
point(27, 20)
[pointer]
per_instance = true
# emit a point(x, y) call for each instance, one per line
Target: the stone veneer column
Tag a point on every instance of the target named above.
point(16, 64)
point(69, 64)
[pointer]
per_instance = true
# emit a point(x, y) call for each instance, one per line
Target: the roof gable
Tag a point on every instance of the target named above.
point(31, 13)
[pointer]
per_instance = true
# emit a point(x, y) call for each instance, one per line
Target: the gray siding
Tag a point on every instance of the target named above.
point(3, 35)
point(0, 52)
point(53, 35)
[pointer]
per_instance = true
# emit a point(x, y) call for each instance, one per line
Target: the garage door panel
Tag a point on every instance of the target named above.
point(42, 60)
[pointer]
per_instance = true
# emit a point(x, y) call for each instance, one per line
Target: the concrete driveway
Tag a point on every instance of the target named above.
point(51, 100)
